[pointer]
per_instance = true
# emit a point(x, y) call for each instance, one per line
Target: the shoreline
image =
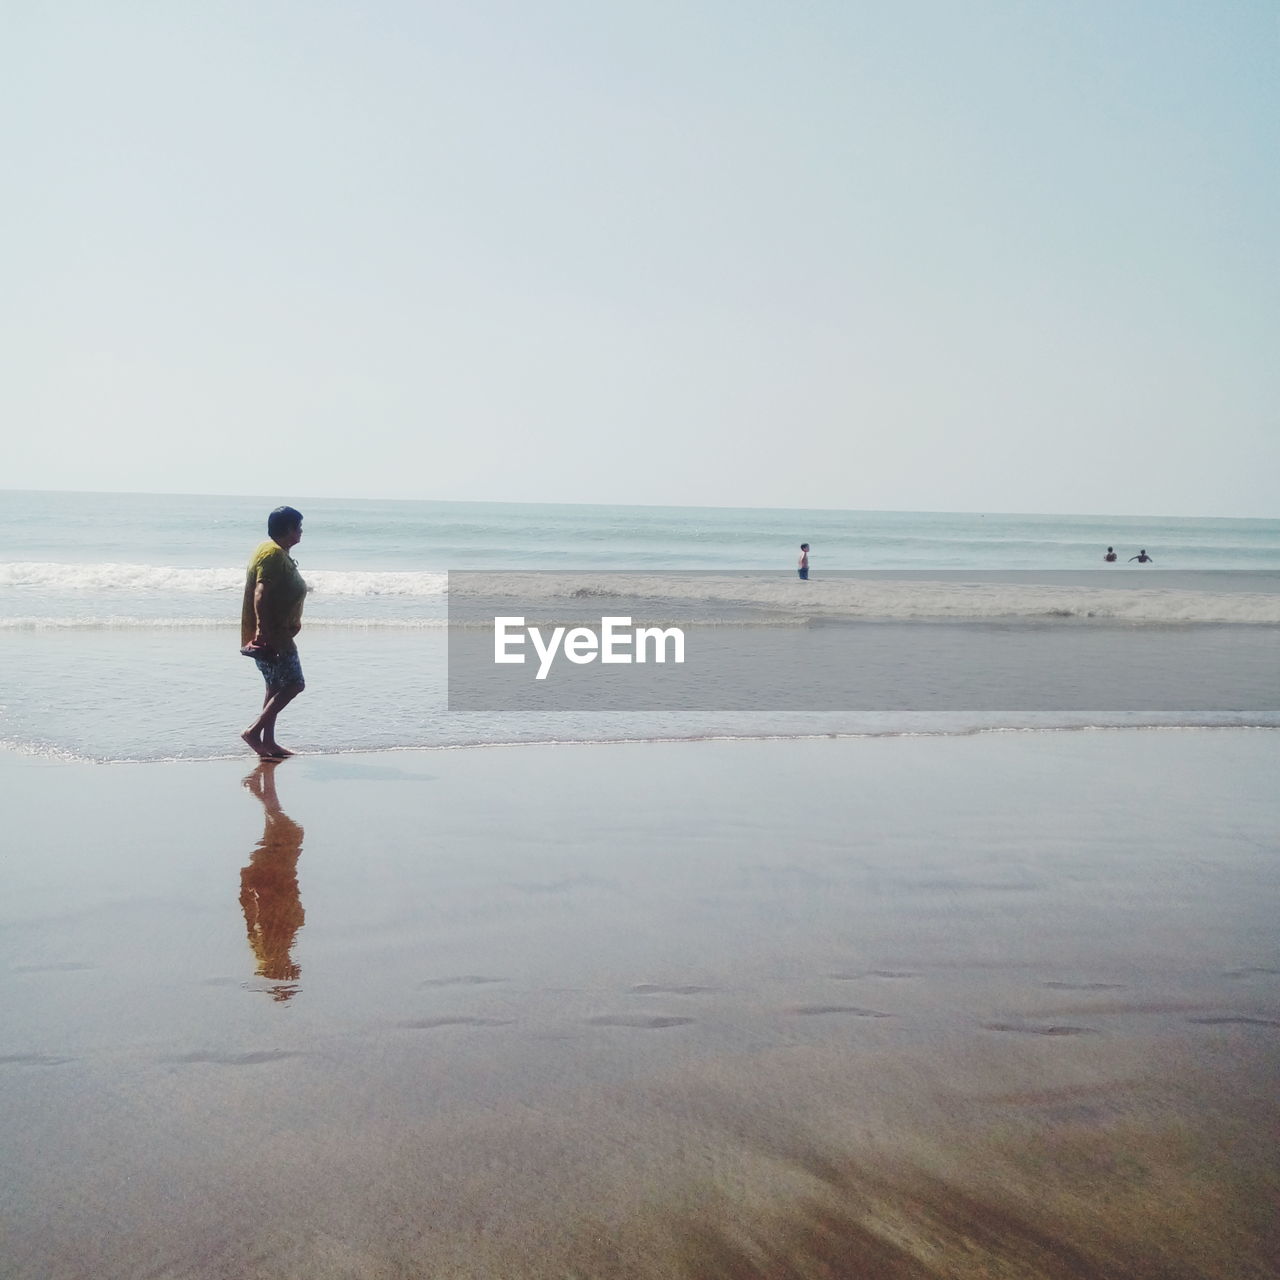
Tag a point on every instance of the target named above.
point(56, 755)
point(909, 1007)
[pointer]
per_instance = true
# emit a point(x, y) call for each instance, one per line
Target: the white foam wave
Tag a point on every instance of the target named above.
point(887, 599)
point(132, 623)
point(769, 598)
point(166, 579)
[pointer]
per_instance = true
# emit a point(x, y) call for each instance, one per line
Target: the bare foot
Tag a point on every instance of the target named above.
point(255, 743)
point(273, 748)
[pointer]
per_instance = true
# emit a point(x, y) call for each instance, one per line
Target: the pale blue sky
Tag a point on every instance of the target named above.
point(913, 255)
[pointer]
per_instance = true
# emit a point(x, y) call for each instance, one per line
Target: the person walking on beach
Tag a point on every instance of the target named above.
point(804, 562)
point(1142, 557)
point(1110, 557)
point(270, 617)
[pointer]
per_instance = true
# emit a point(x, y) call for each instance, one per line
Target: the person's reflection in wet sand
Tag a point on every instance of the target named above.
point(269, 888)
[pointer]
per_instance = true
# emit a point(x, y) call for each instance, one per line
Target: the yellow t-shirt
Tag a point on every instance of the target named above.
point(282, 599)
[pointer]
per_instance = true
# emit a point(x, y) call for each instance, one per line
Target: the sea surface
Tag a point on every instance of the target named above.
point(119, 617)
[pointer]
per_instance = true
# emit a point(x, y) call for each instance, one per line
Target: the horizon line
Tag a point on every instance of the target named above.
point(647, 506)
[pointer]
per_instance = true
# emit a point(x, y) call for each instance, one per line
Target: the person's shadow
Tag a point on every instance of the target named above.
point(269, 888)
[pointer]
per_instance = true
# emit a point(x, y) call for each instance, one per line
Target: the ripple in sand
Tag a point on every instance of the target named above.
point(851, 1010)
point(1236, 1019)
point(462, 980)
point(32, 1060)
point(859, 974)
point(656, 989)
point(1057, 1029)
point(653, 1023)
point(253, 1059)
point(974, 886)
point(1250, 971)
point(430, 1024)
point(65, 966)
point(1084, 986)
point(1092, 1010)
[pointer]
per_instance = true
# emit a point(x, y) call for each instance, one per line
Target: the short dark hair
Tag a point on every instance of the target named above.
point(804, 546)
point(283, 518)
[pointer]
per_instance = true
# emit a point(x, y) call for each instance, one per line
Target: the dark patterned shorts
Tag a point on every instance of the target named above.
point(283, 669)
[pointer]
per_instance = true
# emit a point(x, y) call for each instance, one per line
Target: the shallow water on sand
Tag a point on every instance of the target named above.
point(187, 695)
point(1001, 1005)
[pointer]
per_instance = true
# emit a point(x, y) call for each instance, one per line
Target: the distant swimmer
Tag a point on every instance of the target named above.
point(1142, 558)
point(1110, 557)
point(804, 562)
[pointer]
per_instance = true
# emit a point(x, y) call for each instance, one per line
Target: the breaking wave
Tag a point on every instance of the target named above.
point(163, 579)
point(947, 597)
point(89, 596)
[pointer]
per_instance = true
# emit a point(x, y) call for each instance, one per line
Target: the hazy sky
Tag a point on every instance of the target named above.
point(956, 255)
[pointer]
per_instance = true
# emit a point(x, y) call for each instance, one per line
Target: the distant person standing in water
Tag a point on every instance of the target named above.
point(804, 562)
point(1110, 557)
point(270, 617)
point(1142, 557)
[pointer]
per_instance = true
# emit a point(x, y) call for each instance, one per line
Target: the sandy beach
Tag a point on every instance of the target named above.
point(759, 526)
point(1005, 1005)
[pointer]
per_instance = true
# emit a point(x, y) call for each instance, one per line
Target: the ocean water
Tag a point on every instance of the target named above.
point(119, 616)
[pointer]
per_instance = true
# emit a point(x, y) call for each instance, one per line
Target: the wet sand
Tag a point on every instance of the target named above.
point(996, 1006)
